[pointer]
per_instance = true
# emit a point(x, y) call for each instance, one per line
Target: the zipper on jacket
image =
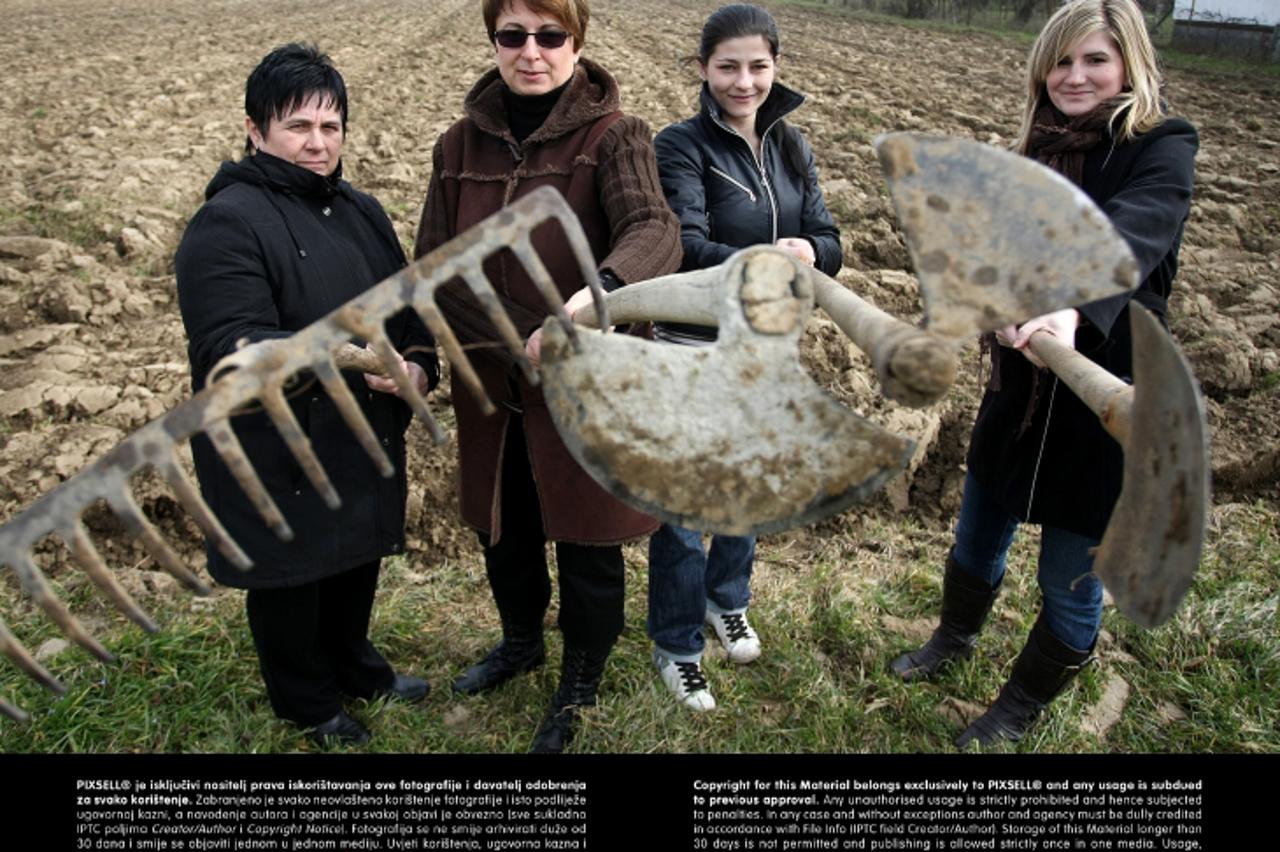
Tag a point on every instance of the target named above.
point(759, 161)
point(750, 193)
point(773, 202)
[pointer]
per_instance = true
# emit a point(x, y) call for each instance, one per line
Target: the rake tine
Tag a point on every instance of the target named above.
point(523, 249)
point(484, 293)
point(577, 238)
point(233, 456)
point(408, 391)
point(299, 444)
point(349, 408)
point(77, 538)
point(21, 657)
point(38, 588)
point(140, 528)
point(448, 343)
point(190, 498)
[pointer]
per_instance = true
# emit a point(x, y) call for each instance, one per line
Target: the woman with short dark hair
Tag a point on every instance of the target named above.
point(280, 242)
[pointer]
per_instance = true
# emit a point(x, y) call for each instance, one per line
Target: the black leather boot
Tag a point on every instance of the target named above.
point(966, 601)
point(1042, 670)
point(579, 678)
point(520, 650)
point(341, 730)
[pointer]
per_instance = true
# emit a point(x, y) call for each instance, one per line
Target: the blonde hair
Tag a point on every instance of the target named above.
point(1123, 21)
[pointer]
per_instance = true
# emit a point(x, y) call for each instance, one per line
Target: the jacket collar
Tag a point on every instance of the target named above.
point(781, 102)
point(262, 169)
point(592, 93)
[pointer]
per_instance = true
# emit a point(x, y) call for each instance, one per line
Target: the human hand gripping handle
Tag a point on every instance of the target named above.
point(533, 346)
point(1061, 324)
point(385, 384)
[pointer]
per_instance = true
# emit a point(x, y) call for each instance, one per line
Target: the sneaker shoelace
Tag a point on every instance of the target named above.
point(735, 626)
point(691, 675)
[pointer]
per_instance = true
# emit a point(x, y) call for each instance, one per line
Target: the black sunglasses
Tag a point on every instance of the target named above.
point(546, 39)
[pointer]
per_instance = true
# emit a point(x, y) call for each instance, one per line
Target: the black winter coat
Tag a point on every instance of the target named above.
point(274, 248)
point(1144, 187)
point(727, 200)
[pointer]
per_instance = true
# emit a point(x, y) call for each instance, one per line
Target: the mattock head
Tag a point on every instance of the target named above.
point(997, 238)
point(1152, 545)
point(732, 438)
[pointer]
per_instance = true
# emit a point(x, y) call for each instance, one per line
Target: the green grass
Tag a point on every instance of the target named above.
point(1207, 681)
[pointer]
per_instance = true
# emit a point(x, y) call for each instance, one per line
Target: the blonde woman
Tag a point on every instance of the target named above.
point(1094, 113)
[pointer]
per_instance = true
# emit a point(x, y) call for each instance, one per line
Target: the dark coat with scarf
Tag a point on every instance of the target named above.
point(602, 162)
point(1144, 187)
point(274, 248)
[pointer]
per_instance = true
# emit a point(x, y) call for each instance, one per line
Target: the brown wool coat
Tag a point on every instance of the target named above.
point(602, 162)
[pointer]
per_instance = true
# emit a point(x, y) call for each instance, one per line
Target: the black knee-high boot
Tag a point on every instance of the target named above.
point(1043, 669)
point(966, 602)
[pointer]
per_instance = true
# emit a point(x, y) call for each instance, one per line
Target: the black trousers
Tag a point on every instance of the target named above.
point(591, 577)
point(313, 644)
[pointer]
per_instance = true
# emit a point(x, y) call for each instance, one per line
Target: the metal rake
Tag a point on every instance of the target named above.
point(258, 373)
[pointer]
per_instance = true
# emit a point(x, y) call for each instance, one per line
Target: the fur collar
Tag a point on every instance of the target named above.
point(592, 93)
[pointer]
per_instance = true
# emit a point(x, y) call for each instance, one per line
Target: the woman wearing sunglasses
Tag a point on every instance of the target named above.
point(545, 116)
point(1093, 113)
point(737, 175)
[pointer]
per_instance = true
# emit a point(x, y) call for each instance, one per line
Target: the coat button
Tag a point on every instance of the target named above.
point(327, 211)
point(386, 442)
point(395, 548)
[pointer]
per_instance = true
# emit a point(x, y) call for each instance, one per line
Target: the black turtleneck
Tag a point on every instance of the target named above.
point(526, 113)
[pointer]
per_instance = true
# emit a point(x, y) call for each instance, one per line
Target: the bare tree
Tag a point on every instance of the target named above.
point(1164, 8)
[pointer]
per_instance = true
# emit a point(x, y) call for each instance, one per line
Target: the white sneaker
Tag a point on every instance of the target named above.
point(736, 635)
point(686, 682)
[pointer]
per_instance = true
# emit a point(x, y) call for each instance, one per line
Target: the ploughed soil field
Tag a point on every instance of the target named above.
point(116, 116)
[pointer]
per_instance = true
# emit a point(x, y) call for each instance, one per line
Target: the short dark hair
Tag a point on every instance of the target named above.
point(288, 77)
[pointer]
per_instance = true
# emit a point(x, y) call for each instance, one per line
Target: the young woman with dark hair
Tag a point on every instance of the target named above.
point(736, 175)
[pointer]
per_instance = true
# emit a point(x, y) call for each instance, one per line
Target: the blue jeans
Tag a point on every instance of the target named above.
point(685, 582)
point(1072, 593)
